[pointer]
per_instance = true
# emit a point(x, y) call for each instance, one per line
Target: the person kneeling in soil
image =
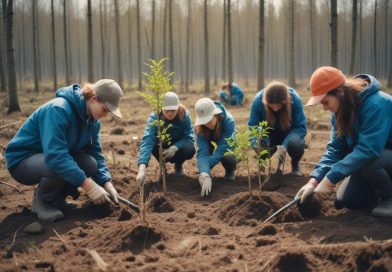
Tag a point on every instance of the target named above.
point(282, 107)
point(58, 148)
point(360, 148)
point(182, 139)
point(214, 125)
point(231, 94)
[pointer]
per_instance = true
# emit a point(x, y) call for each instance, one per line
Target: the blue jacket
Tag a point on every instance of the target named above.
point(57, 129)
point(181, 133)
point(372, 132)
point(298, 119)
point(237, 94)
point(205, 159)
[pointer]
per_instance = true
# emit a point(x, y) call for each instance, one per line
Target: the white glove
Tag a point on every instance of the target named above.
point(307, 190)
point(281, 152)
point(170, 152)
point(111, 190)
point(324, 187)
point(141, 174)
point(205, 183)
point(95, 192)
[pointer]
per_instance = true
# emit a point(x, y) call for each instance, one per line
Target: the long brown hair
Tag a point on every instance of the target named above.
point(181, 112)
point(211, 135)
point(278, 93)
point(347, 94)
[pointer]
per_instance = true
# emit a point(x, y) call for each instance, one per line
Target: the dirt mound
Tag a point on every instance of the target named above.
point(242, 209)
point(311, 207)
point(160, 203)
point(140, 237)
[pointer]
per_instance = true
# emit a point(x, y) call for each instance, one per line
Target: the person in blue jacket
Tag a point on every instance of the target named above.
point(282, 107)
point(181, 146)
point(231, 94)
point(214, 124)
point(360, 148)
point(58, 148)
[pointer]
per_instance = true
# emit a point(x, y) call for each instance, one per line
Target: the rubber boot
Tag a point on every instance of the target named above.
point(178, 171)
point(45, 210)
point(296, 170)
point(229, 175)
point(383, 209)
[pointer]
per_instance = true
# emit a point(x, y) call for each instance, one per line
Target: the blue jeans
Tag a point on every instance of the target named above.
point(185, 153)
point(364, 188)
point(34, 170)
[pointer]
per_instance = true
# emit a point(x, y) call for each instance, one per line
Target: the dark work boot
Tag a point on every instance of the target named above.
point(296, 170)
point(178, 171)
point(383, 209)
point(45, 210)
point(229, 175)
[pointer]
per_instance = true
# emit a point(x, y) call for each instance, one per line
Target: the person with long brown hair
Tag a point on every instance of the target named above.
point(214, 125)
point(181, 147)
point(282, 107)
point(360, 148)
point(58, 148)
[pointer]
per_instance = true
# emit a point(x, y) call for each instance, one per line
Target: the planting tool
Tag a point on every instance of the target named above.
point(128, 203)
point(288, 205)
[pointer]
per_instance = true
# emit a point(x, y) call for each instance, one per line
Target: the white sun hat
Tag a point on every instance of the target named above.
point(205, 110)
point(171, 101)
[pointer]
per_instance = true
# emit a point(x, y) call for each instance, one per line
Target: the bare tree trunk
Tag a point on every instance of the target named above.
point(38, 42)
point(66, 60)
point(102, 24)
point(3, 84)
point(130, 44)
point(291, 46)
point(360, 35)
point(90, 43)
point(389, 83)
point(139, 47)
point(206, 63)
point(35, 57)
point(153, 31)
point(375, 62)
point(224, 40)
point(54, 64)
point(171, 42)
point(260, 63)
point(118, 45)
point(229, 42)
point(386, 29)
point(188, 40)
point(13, 104)
point(164, 40)
point(354, 36)
point(334, 33)
point(23, 41)
point(312, 37)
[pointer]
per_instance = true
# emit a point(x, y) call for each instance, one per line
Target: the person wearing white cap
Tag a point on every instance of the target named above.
point(213, 124)
point(282, 107)
point(58, 148)
point(181, 146)
point(359, 152)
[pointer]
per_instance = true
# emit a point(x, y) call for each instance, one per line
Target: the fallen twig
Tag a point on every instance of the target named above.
point(60, 238)
point(13, 186)
point(10, 124)
point(102, 265)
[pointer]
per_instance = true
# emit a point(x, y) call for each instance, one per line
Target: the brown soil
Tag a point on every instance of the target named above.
point(185, 232)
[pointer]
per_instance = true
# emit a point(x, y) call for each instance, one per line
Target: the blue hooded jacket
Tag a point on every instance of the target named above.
point(237, 94)
point(207, 161)
point(181, 133)
point(298, 119)
point(372, 132)
point(57, 129)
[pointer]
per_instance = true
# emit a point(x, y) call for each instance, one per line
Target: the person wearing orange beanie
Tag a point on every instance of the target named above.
point(360, 148)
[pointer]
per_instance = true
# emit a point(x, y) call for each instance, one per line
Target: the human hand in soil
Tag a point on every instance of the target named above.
point(205, 183)
point(95, 192)
point(307, 189)
point(324, 188)
point(170, 152)
point(281, 152)
point(141, 174)
point(111, 190)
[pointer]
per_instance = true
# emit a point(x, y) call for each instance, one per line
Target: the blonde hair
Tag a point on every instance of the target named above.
point(88, 91)
point(211, 135)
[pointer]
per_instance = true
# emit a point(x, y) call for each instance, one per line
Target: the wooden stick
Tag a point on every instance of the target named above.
point(60, 238)
point(8, 125)
point(102, 265)
point(13, 186)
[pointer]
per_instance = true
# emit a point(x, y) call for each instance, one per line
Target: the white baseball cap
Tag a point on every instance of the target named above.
point(109, 93)
point(171, 101)
point(205, 110)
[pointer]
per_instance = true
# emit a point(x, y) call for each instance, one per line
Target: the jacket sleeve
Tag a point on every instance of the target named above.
point(298, 122)
point(256, 116)
point(102, 174)
point(148, 141)
point(337, 148)
point(203, 154)
point(374, 129)
point(223, 146)
point(187, 136)
point(53, 126)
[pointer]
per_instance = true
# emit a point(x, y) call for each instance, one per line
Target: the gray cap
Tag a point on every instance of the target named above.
point(171, 101)
point(109, 93)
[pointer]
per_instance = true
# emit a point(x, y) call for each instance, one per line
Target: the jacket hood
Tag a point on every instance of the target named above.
point(373, 87)
point(221, 107)
point(73, 95)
